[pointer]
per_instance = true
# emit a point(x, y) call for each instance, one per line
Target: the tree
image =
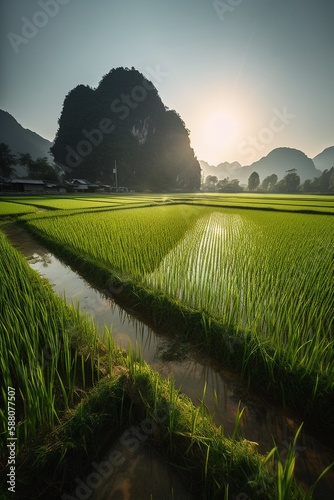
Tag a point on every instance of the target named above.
point(227, 186)
point(222, 185)
point(308, 186)
point(322, 184)
point(290, 183)
point(331, 183)
point(6, 160)
point(253, 181)
point(25, 160)
point(269, 182)
point(326, 180)
point(210, 182)
point(41, 169)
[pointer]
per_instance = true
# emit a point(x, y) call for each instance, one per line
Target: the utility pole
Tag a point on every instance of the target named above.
point(115, 172)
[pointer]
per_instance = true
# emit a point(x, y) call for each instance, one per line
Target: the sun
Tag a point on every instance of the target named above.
point(217, 135)
point(220, 130)
point(217, 130)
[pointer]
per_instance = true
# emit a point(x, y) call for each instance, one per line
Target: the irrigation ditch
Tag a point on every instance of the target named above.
point(194, 371)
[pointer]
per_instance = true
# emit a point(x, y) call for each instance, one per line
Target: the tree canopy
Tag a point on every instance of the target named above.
point(38, 169)
point(253, 181)
point(269, 182)
point(290, 182)
point(7, 160)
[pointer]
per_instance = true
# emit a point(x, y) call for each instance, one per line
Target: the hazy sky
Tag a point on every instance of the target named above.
point(246, 76)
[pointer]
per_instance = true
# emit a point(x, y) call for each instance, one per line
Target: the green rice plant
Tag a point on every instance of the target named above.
point(290, 203)
point(56, 203)
point(285, 471)
point(36, 341)
point(310, 493)
point(284, 478)
point(230, 267)
point(172, 413)
point(203, 407)
point(26, 204)
point(273, 202)
point(117, 239)
point(9, 209)
point(237, 423)
point(226, 492)
point(83, 373)
point(206, 462)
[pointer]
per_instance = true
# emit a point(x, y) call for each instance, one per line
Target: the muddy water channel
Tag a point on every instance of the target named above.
point(261, 422)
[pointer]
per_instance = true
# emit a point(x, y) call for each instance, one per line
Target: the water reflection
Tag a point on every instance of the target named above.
point(260, 423)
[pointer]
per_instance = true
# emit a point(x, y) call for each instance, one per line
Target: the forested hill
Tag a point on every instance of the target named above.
point(22, 140)
point(278, 162)
point(124, 120)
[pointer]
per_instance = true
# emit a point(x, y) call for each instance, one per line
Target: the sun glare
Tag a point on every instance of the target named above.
point(220, 128)
point(219, 132)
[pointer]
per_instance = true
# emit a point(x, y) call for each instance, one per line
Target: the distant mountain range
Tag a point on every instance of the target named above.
point(276, 162)
point(324, 160)
point(22, 140)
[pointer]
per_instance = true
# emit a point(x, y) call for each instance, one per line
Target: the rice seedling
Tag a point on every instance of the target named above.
point(285, 471)
point(238, 419)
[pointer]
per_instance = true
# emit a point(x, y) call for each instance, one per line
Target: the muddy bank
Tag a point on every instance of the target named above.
point(136, 474)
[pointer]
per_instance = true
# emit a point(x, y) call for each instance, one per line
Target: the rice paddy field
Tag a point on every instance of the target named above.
point(25, 204)
point(247, 278)
point(281, 202)
point(262, 274)
point(299, 203)
point(73, 393)
point(10, 208)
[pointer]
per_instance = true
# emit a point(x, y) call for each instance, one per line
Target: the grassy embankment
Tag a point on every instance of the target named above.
point(76, 394)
